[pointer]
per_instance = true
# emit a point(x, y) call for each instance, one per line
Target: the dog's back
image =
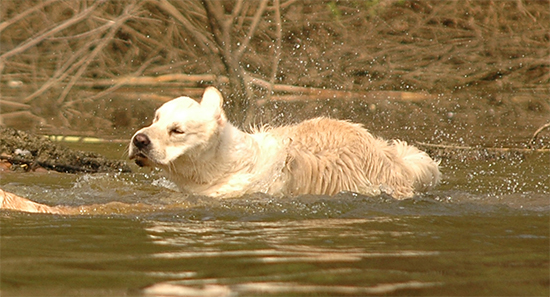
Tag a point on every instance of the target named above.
point(327, 156)
point(205, 155)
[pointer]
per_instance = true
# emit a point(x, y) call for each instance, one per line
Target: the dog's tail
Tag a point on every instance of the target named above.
point(423, 170)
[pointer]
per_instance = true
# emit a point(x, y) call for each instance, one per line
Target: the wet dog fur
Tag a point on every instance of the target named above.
point(204, 154)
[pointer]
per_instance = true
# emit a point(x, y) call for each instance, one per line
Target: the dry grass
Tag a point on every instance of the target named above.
point(58, 57)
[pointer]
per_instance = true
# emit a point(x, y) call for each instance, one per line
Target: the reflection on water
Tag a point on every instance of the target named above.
point(484, 231)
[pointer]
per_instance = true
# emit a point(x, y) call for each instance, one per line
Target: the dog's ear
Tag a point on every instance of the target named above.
point(212, 100)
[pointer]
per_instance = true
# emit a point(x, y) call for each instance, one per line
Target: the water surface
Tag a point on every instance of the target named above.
point(484, 231)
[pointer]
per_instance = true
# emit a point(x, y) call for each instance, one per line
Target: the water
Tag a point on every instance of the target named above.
point(484, 231)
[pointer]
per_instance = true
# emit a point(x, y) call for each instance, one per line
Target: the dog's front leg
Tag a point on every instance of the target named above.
point(14, 202)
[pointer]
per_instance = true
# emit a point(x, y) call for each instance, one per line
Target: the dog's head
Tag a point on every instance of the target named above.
point(181, 127)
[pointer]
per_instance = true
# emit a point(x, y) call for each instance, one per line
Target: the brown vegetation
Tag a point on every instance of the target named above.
point(81, 66)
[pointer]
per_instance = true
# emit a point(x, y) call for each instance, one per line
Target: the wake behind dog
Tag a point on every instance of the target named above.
point(203, 154)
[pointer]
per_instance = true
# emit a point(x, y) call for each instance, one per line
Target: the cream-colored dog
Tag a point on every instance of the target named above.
point(203, 154)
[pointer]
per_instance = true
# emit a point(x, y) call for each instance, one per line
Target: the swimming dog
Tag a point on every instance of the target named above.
point(204, 154)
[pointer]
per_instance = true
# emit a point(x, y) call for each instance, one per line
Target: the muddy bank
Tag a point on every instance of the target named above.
point(20, 151)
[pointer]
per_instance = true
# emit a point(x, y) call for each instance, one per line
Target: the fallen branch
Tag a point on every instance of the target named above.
point(489, 149)
point(311, 93)
point(278, 92)
point(153, 80)
point(117, 85)
point(14, 104)
point(457, 152)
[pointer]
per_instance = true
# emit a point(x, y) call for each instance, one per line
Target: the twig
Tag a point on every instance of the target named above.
point(534, 138)
point(14, 104)
point(24, 14)
point(35, 40)
point(201, 39)
point(251, 30)
point(237, 9)
point(61, 73)
point(114, 29)
point(221, 27)
point(522, 8)
point(86, 34)
point(489, 149)
point(288, 3)
point(277, 49)
point(154, 80)
point(120, 83)
point(21, 114)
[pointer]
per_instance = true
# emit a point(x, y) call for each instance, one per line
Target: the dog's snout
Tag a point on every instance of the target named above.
point(141, 141)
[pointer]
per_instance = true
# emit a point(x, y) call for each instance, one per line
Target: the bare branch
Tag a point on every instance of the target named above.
point(237, 9)
point(14, 104)
point(533, 139)
point(199, 36)
point(23, 15)
point(221, 31)
point(278, 45)
point(114, 28)
point(124, 81)
point(252, 29)
point(61, 73)
point(183, 79)
point(35, 40)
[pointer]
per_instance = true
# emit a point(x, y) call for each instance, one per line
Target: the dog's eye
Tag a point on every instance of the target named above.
point(177, 131)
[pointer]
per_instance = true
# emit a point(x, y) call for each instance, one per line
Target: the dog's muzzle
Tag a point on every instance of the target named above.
point(141, 143)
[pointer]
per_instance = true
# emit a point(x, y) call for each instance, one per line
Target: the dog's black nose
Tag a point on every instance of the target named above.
point(141, 141)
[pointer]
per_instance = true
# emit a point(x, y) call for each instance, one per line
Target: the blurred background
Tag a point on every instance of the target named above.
point(472, 72)
point(467, 81)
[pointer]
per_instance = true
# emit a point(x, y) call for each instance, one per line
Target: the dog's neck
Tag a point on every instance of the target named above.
point(231, 152)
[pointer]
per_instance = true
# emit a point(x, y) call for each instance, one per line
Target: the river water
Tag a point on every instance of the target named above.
point(483, 231)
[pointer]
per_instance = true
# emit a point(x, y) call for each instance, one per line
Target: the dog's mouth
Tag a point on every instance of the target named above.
point(141, 159)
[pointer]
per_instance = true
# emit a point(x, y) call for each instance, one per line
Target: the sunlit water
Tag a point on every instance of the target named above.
point(483, 231)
